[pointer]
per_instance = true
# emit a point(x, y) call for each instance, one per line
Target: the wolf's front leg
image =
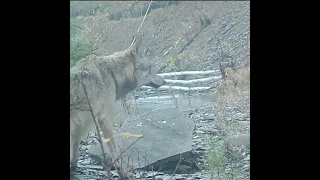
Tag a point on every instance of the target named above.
point(107, 130)
point(74, 146)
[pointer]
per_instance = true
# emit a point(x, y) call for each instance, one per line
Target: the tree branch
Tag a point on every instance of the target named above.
point(105, 163)
point(176, 167)
point(125, 150)
point(142, 22)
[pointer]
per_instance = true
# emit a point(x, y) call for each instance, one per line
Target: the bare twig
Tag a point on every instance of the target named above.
point(76, 26)
point(241, 19)
point(105, 164)
point(176, 167)
point(156, 31)
point(220, 46)
point(203, 25)
point(215, 35)
point(94, 49)
point(154, 175)
point(125, 150)
point(129, 156)
point(142, 22)
point(223, 73)
point(125, 105)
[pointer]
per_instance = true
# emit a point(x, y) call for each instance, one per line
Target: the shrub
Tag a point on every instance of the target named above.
point(79, 47)
point(216, 157)
point(233, 94)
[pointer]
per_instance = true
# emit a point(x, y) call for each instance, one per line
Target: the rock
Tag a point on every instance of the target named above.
point(158, 177)
point(84, 161)
point(79, 177)
point(160, 140)
point(195, 137)
point(166, 177)
point(207, 130)
point(98, 158)
point(247, 158)
point(91, 167)
point(200, 149)
point(115, 174)
point(84, 147)
point(178, 177)
point(242, 140)
point(151, 174)
point(200, 132)
point(183, 169)
point(246, 166)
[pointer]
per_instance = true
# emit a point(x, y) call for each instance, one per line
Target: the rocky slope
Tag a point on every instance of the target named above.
point(188, 35)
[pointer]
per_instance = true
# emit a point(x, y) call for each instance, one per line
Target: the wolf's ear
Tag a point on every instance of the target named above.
point(136, 44)
point(129, 53)
point(134, 49)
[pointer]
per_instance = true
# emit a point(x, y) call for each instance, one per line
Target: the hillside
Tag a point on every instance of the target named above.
point(172, 34)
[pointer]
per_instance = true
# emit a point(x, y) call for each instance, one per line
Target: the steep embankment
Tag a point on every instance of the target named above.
point(181, 36)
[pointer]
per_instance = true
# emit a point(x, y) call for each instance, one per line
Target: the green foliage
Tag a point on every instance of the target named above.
point(87, 9)
point(170, 65)
point(109, 16)
point(161, 4)
point(220, 160)
point(95, 7)
point(216, 156)
point(79, 47)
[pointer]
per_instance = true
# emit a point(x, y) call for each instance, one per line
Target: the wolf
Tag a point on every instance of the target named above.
point(96, 83)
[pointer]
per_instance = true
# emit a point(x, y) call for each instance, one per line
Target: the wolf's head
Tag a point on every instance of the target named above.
point(144, 72)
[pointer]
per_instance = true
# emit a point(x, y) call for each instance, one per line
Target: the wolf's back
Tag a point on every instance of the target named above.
point(87, 80)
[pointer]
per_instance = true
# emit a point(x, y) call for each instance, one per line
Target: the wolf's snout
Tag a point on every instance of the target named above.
point(156, 81)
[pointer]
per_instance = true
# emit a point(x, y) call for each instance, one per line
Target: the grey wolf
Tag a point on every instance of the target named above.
point(104, 80)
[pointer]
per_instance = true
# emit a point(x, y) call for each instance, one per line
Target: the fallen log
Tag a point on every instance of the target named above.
point(192, 81)
point(188, 73)
point(179, 88)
